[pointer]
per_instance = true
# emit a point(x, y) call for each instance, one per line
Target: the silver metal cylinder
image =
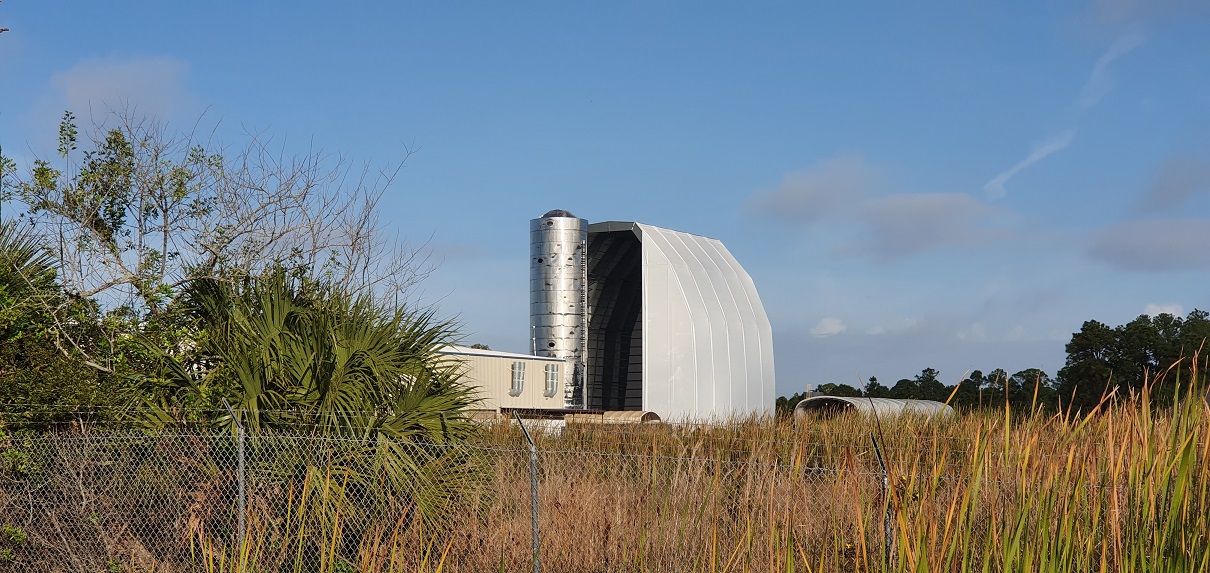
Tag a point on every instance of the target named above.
point(558, 280)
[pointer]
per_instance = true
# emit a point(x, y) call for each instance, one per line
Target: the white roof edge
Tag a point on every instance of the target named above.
point(608, 226)
point(468, 351)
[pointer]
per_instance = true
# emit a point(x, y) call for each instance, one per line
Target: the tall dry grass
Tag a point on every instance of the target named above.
point(1124, 488)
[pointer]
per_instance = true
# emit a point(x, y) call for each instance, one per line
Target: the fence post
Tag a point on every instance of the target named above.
point(533, 488)
point(888, 537)
point(243, 503)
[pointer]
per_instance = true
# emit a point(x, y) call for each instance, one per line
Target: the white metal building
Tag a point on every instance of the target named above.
point(675, 326)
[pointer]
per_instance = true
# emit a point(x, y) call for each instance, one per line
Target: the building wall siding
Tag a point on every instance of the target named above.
point(492, 377)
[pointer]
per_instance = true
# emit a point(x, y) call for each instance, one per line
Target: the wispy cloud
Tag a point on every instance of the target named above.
point(151, 86)
point(828, 327)
point(840, 196)
point(901, 325)
point(155, 84)
point(816, 193)
point(1098, 84)
point(976, 331)
point(1153, 309)
point(1099, 81)
point(1058, 142)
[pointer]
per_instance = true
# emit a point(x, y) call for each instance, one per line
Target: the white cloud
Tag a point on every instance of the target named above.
point(901, 325)
point(837, 196)
point(149, 86)
point(828, 327)
point(813, 194)
point(1057, 142)
point(975, 331)
point(1099, 81)
point(1153, 309)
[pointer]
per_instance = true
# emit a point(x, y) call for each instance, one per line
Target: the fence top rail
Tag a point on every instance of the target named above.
point(739, 435)
point(804, 446)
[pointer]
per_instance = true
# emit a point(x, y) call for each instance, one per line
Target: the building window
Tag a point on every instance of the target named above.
point(518, 379)
point(552, 380)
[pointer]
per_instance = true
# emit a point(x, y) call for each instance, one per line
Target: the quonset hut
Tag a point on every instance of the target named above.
point(828, 406)
point(648, 319)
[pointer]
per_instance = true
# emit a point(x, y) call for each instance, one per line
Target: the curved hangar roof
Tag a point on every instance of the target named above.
point(707, 347)
point(830, 405)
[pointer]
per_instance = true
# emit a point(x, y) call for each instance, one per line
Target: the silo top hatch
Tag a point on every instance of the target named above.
point(558, 213)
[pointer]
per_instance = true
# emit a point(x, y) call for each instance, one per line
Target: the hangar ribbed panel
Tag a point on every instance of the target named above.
point(707, 342)
point(696, 344)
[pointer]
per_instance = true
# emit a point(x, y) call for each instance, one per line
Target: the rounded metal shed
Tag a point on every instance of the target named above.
point(832, 405)
point(615, 417)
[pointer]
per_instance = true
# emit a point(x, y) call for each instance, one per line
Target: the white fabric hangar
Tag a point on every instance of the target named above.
point(671, 322)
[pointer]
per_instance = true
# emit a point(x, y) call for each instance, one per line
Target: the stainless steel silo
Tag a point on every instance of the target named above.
point(558, 281)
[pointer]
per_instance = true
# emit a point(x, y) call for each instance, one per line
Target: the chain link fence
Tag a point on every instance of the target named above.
point(663, 498)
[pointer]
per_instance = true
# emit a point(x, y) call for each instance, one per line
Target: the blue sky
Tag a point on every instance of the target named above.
point(951, 185)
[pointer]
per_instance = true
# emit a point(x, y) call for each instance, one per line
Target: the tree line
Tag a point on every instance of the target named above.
point(1156, 354)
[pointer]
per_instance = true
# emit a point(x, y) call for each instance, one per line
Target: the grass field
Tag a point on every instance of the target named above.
point(1126, 488)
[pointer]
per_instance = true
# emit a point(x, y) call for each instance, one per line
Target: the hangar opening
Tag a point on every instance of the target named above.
point(615, 325)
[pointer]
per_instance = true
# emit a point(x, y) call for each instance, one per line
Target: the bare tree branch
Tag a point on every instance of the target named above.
point(141, 211)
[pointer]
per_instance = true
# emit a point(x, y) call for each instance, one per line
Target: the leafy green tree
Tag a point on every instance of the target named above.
point(44, 378)
point(842, 390)
point(905, 388)
point(785, 406)
point(1148, 352)
point(875, 389)
point(1024, 385)
point(1088, 372)
point(1194, 333)
point(1138, 349)
point(969, 390)
point(929, 387)
point(1166, 341)
point(996, 388)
